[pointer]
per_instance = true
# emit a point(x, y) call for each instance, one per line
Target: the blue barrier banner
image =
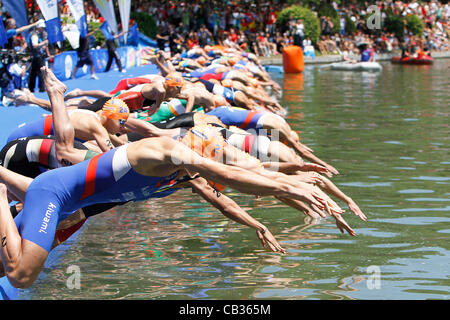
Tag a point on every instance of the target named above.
point(65, 62)
point(122, 51)
point(100, 58)
point(133, 35)
point(3, 39)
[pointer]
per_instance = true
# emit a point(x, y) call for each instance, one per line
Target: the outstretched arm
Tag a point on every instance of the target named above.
point(25, 28)
point(233, 211)
point(147, 129)
point(236, 177)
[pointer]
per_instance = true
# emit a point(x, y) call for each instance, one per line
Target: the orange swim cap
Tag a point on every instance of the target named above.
point(201, 60)
point(207, 142)
point(116, 109)
point(174, 81)
point(232, 61)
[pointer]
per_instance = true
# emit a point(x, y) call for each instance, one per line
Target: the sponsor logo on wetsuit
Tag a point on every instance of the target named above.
point(48, 213)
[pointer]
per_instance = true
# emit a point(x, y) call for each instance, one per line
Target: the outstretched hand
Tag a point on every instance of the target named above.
point(267, 239)
point(316, 167)
point(343, 225)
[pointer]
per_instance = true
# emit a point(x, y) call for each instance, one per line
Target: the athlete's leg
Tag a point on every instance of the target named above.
point(79, 102)
point(30, 98)
point(62, 125)
point(165, 70)
point(17, 184)
point(201, 118)
point(89, 93)
point(21, 259)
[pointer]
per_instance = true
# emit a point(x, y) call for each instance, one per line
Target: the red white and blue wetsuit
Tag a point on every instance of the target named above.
point(106, 178)
point(43, 126)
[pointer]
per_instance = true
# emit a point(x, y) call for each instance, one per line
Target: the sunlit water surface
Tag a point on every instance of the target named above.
point(387, 133)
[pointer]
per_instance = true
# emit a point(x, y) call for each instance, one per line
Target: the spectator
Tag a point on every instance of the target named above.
point(112, 52)
point(84, 56)
point(162, 37)
point(38, 50)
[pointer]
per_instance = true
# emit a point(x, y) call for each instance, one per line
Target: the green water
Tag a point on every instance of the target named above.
point(387, 133)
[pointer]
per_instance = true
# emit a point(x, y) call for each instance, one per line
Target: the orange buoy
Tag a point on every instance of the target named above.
point(293, 59)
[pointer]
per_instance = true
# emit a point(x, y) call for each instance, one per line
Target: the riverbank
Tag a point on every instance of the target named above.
point(278, 59)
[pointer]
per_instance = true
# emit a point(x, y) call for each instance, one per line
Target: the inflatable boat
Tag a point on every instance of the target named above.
point(359, 66)
point(424, 60)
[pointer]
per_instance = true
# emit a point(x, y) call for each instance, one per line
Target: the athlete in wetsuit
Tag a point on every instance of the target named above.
point(133, 172)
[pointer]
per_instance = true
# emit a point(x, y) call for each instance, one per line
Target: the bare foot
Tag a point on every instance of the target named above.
point(52, 84)
point(22, 99)
point(72, 94)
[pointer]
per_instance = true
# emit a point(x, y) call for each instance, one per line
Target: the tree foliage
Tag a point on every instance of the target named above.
point(146, 23)
point(310, 21)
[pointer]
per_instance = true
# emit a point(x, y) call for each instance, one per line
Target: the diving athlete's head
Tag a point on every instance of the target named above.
point(201, 60)
point(116, 113)
point(173, 84)
point(232, 61)
point(228, 83)
point(207, 141)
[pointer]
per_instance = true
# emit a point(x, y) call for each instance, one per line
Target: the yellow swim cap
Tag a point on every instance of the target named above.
point(116, 109)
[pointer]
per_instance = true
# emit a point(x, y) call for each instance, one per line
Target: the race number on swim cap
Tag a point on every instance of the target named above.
point(116, 109)
point(205, 140)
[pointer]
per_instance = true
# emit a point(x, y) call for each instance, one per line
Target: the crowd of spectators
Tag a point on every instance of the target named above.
point(252, 24)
